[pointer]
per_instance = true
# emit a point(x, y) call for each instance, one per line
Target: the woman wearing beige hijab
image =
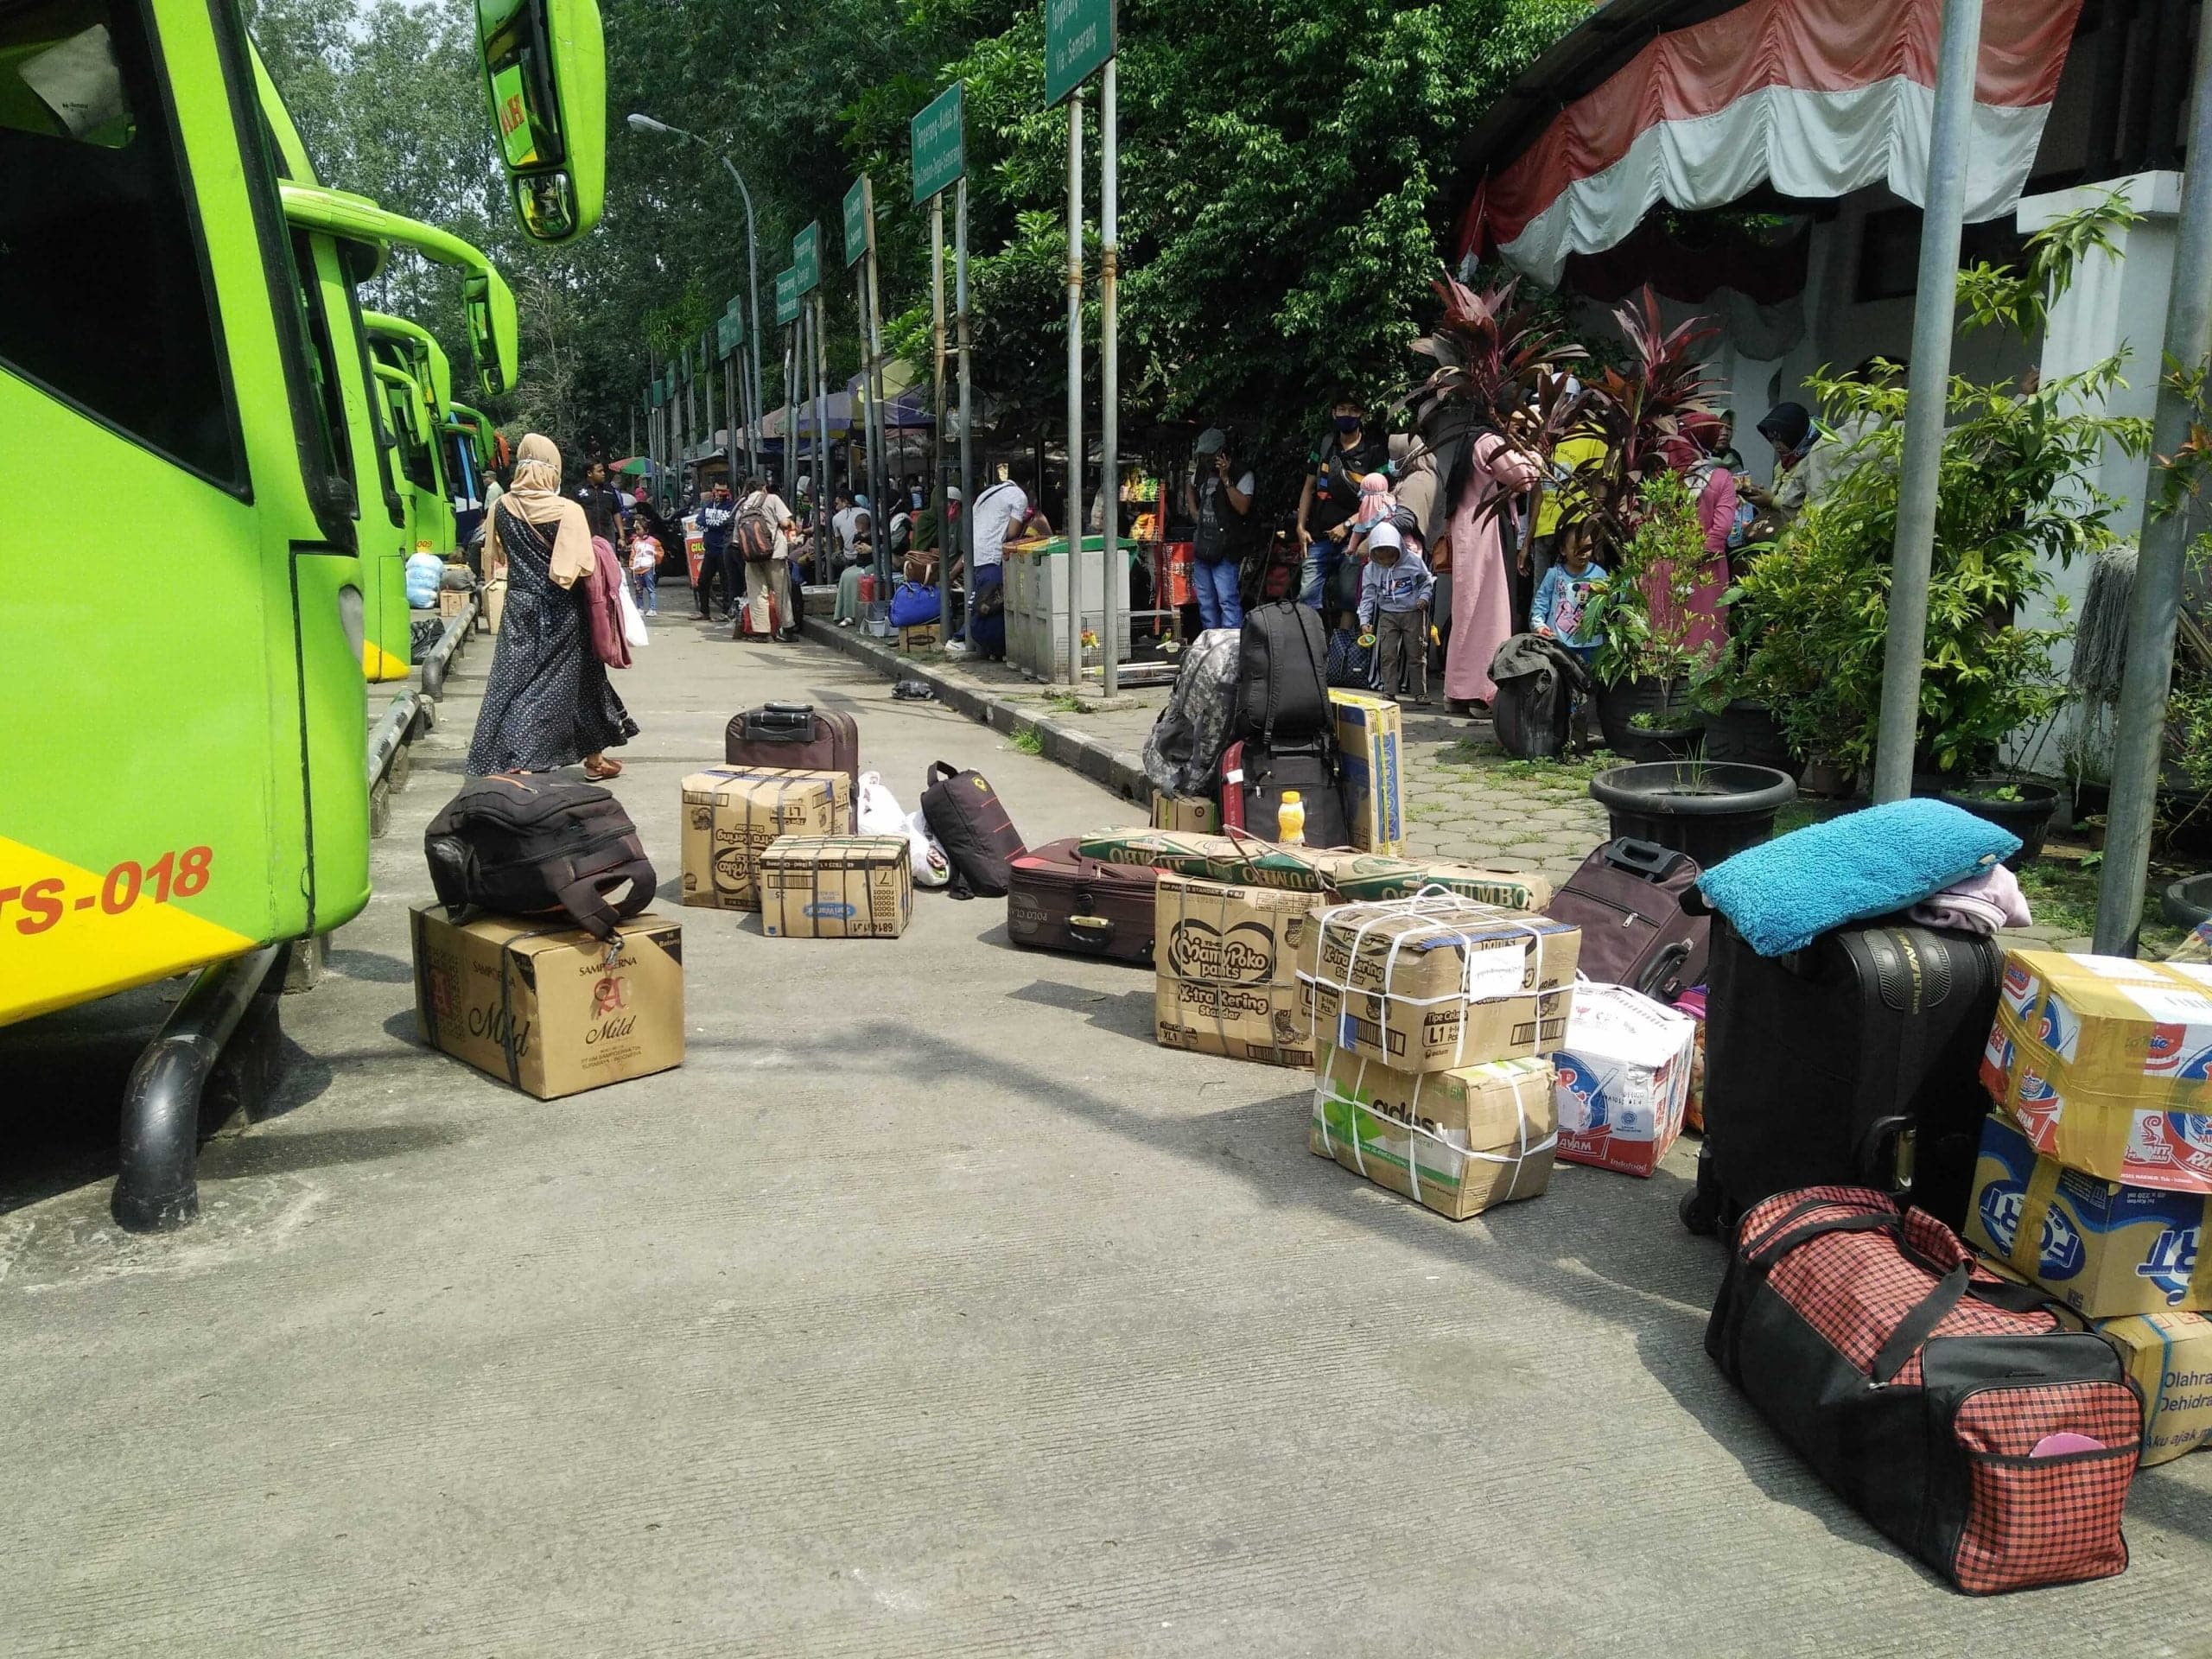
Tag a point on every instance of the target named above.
point(548, 704)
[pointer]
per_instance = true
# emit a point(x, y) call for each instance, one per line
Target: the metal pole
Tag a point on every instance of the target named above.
point(967, 538)
point(752, 269)
point(867, 402)
point(875, 400)
point(2139, 737)
point(791, 414)
point(1075, 391)
point(1109, 381)
point(822, 490)
point(1935, 307)
point(946, 547)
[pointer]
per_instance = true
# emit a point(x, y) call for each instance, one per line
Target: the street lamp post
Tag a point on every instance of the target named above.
point(646, 123)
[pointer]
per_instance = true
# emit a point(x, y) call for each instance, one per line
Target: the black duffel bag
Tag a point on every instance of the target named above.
point(539, 850)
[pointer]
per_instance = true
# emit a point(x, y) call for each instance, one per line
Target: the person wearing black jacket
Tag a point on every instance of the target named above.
point(716, 513)
point(602, 504)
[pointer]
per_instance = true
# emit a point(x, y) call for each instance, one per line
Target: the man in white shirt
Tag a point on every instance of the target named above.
point(997, 510)
point(768, 607)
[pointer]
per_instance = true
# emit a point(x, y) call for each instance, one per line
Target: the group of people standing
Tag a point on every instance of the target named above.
point(750, 545)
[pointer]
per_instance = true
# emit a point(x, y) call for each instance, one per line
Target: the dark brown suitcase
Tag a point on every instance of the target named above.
point(1057, 900)
point(795, 737)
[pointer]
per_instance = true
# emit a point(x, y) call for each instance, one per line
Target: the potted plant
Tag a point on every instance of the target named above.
point(1739, 726)
point(1645, 664)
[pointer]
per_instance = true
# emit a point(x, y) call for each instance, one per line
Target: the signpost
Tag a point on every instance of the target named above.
point(938, 137)
point(1079, 40)
point(860, 246)
point(806, 272)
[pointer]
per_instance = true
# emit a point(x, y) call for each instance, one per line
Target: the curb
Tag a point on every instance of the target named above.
point(1117, 769)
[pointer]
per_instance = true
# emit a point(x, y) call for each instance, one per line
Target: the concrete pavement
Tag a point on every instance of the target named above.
point(929, 1309)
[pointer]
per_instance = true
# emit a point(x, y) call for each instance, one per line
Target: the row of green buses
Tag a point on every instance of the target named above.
point(181, 342)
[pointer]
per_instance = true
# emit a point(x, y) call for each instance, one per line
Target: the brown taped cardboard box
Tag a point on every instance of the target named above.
point(731, 813)
point(1194, 813)
point(1246, 861)
point(1456, 1141)
point(552, 1012)
point(1437, 983)
point(837, 886)
point(1223, 958)
point(452, 602)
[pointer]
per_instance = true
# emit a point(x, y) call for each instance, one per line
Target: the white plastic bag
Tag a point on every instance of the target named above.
point(878, 814)
point(633, 621)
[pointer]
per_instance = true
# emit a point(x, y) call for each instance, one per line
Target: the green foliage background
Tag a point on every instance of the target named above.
point(1280, 165)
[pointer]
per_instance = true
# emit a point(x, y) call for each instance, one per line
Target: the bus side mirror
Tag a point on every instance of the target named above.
point(493, 329)
point(545, 73)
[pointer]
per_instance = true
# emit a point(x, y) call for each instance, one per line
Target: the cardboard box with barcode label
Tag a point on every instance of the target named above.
point(1192, 812)
point(1432, 984)
point(1371, 739)
point(2106, 1065)
point(837, 886)
point(1623, 1076)
point(1223, 960)
point(1458, 1142)
point(551, 1010)
point(732, 813)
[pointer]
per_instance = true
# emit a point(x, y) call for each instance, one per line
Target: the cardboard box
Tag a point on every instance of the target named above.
point(837, 886)
point(1356, 877)
point(452, 602)
point(1223, 958)
point(1438, 983)
point(1191, 812)
point(1365, 878)
point(552, 1011)
point(1371, 739)
point(1624, 1080)
point(2106, 1064)
point(732, 813)
point(2102, 1249)
point(1457, 1142)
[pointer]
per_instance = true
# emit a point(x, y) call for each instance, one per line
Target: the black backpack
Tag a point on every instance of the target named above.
point(1282, 690)
point(969, 822)
point(534, 847)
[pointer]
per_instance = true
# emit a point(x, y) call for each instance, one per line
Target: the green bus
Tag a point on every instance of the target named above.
point(178, 338)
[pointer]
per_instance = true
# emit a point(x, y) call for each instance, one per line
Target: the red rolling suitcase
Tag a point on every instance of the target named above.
point(795, 737)
point(1057, 900)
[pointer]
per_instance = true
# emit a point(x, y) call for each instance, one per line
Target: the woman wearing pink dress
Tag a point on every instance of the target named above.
point(1707, 629)
point(1482, 602)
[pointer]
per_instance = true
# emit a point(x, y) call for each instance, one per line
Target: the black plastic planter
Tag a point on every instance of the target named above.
point(1705, 808)
point(1670, 729)
point(2187, 902)
point(2029, 817)
point(1744, 733)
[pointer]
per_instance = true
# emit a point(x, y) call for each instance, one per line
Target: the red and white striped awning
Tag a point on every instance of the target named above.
point(1819, 97)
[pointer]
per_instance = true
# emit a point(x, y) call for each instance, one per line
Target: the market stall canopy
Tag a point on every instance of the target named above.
point(1696, 103)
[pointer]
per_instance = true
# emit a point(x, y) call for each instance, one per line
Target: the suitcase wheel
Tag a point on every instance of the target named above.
point(1699, 1212)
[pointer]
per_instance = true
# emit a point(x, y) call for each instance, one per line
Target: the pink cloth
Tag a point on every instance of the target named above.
point(1706, 632)
point(1981, 904)
point(1481, 605)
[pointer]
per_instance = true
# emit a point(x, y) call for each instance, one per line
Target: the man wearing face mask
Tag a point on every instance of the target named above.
point(1331, 495)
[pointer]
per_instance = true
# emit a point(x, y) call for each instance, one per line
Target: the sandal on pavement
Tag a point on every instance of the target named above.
point(604, 771)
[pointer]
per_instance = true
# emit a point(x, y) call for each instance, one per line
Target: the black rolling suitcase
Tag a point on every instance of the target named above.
point(1254, 776)
point(1852, 1062)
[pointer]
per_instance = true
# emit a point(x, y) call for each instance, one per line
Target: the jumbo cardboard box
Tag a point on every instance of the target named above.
point(1245, 860)
point(553, 1011)
point(1371, 738)
point(1432, 984)
point(2102, 1249)
point(1456, 1141)
point(2106, 1064)
point(1624, 1080)
point(1192, 812)
point(1223, 956)
point(837, 886)
point(1362, 878)
point(731, 813)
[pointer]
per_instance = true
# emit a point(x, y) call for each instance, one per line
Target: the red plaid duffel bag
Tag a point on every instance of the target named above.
point(1950, 1407)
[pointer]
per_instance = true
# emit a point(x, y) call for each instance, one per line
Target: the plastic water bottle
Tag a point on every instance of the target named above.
point(1290, 820)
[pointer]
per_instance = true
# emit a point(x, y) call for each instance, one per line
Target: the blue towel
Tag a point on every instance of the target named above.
point(1782, 895)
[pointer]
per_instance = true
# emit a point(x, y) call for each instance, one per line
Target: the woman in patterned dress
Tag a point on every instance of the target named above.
point(548, 704)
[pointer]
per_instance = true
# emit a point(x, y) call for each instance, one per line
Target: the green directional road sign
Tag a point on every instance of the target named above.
point(660, 391)
point(729, 330)
point(856, 222)
point(806, 258)
point(786, 296)
point(1079, 39)
point(938, 135)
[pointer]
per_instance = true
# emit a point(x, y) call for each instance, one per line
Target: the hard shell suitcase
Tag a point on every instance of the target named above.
point(1057, 900)
point(1254, 778)
point(1282, 687)
point(795, 737)
point(1627, 899)
point(970, 823)
point(1854, 1062)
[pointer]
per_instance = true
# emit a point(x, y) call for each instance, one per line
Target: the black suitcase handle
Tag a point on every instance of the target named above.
point(1645, 858)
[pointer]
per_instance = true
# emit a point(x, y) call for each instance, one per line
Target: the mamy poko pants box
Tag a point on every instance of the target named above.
point(1622, 1080)
point(2103, 1249)
point(2106, 1065)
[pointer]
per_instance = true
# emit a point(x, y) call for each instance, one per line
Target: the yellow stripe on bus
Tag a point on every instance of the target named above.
point(69, 934)
point(380, 665)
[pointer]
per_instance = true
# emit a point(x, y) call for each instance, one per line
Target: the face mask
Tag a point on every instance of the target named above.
point(1347, 424)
